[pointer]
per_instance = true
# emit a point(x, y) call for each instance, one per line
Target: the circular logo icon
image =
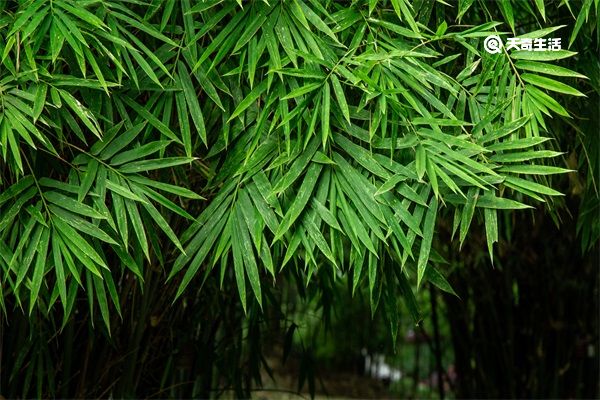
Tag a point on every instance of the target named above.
point(493, 44)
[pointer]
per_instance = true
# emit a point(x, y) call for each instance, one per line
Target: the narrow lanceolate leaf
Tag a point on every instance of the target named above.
point(16, 188)
point(541, 55)
point(548, 69)
point(88, 179)
point(149, 165)
point(436, 278)
point(325, 110)
point(341, 98)
point(80, 224)
point(550, 84)
point(428, 232)
point(532, 186)
point(534, 169)
point(39, 268)
point(420, 161)
point(238, 261)
point(59, 270)
point(251, 98)
point(83, 250)
point(491, 229)
point(192, 101)
point(302, 90)
point(83, 113)
point(102, 300)
point(152, 120)
point(390, 184)
point(162, 223)
point(301, 198)
point(72, 205)
point(467, 213)
point(138, 226)
point(251, 267)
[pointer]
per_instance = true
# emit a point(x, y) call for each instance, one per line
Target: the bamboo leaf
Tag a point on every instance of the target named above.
point(428, 231)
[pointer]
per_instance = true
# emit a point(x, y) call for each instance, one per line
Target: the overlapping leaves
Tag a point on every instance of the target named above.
point(325, 135)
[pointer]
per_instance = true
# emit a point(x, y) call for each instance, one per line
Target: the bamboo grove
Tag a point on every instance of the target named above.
point(240, 142)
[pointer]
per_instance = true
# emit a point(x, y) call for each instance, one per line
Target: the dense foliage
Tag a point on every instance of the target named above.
point(192, 149)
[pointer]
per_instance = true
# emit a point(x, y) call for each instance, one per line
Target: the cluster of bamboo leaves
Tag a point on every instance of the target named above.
point(234, 140)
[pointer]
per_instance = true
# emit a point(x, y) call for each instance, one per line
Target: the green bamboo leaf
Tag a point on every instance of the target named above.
point(507, 11)
point(149, 165)
point(139, 152)
point(176, 190)
point(162, 223)
point(550, 84)
point(72, 205)
point(437, 279)
point(532, 186)
point(39, 268)
point(121, 217)
point(102, 300)
point(112, 290)
point(83, 113)
point(524, 156)
point(428, 231)
point(26, 15)
point(534, 169)
point(184, 123)
point(501, 203)
point(81, 248)
point(249, 258)
point(40, 101)
point(325, 110)
point(420, 161)
point(315, 234)
point(145, 66)
point(341, 98)
point(325, 214)
point(27, 257)
point(491, 230)
point(88, 179)
point(302, 197)
point(541, 55)
point(59, 270)
point(294, 171)
point(518, 144)
point(81, 224)
point(138, 226)
point(390, 184)
point(432, 175)
point(302, 90)
point(192, 101)
point(145, 27)
point(160, 199)
point(123, 191)
point(505, 130)
point(112, 145)
point(82, 14)
point(316, 21)
point(467, 213)
point(547, 101)
point(202, 244)
point(16, 188)
point(152, 120)
point(238, 261)
point(249, 99)
point(549, 69)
